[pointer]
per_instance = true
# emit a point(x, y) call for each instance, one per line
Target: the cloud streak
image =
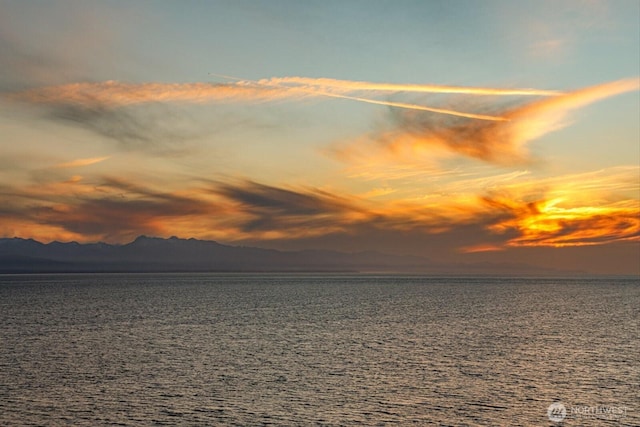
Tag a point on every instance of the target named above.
point(515, 215)
point(149, 116)
point(111, 209)
point(113, 94)
point(339, 88)
point(408, 106)
point(244, 210)
point(351, 86)
point(549, 223)
point(81, 162)
point(503, 142)
point(115, 109)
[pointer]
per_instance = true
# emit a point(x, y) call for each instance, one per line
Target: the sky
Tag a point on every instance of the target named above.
point(467, 132)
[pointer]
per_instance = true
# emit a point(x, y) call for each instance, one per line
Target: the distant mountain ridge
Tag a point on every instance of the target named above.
point(153, 254)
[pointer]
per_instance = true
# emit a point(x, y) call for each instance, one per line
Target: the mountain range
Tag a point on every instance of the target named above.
point(154, 254)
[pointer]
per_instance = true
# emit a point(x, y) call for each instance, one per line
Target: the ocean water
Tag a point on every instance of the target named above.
point(245, 350)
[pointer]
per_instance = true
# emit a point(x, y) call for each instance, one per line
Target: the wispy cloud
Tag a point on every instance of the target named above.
point(585, 209)
point(129, 111)
point(108, 95)
point(549, 223)
point(112, 94)
point(345, 86)
point(157, 128)
point(109, 209)
point(408, 106)
point(513, 214)
point(116, 94)
point(333, 88)
point(503, 206)
point(415, 134)
point(81, 162)
point(156, 117)
point(268, 212)
point(272, 212)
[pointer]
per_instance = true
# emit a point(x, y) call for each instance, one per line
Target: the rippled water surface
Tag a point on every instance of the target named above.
point(315, 350)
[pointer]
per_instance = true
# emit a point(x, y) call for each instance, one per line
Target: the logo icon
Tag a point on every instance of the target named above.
point(556, 412)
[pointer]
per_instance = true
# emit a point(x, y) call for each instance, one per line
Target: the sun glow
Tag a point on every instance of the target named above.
point(554, 223)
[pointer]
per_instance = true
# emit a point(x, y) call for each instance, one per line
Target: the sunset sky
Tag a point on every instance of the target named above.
point(465, 132)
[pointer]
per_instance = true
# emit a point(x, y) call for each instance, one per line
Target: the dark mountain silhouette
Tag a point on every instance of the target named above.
point(151, 254)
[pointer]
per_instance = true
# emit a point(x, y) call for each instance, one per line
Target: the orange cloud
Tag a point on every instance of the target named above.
point(93, 209)
point(74, 179)
point(541, 117)
point(93, 104)
point(549, 223)
point(115, 94)
point(593, 208)
point(337, 89)
point(498, 138)
point(81, 162)
point(350, 86)
point(415, 135)
point(480, 248)
point(104, 209)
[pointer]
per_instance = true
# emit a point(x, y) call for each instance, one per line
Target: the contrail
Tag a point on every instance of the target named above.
point(503, 142)
point(412, 106)
point(113, 93)
point(366, 100)
point(350, 85)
